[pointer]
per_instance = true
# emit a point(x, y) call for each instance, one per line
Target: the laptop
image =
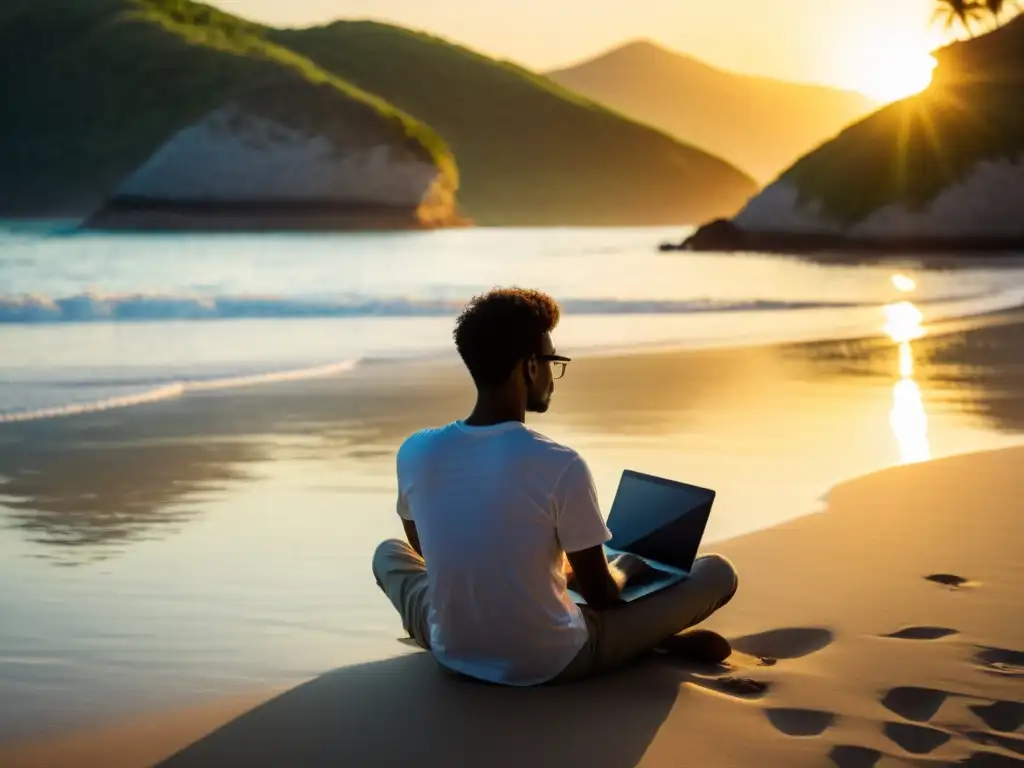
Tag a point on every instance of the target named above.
point(660, 521)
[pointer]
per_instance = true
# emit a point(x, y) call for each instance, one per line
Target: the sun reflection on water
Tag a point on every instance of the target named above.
point(903, 283)
point(907, 417)
point(903, 322)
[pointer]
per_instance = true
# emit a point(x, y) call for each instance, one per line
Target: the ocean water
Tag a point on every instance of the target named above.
point(96, 321)
point(196, 440)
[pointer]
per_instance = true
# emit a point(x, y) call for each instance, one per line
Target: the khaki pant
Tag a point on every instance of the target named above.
point(615, 636)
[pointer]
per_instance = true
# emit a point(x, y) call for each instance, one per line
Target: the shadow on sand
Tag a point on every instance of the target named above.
point(406, 711)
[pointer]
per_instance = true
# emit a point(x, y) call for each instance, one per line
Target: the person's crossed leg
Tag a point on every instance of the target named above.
point(402, 574)
point(615, 636)
point(623, 633)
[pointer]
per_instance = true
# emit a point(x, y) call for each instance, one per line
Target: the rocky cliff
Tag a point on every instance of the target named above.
point(169, 113)
point(247, 166)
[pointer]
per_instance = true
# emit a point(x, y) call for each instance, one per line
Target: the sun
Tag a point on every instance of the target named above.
point(896, 72)
point(891, 64)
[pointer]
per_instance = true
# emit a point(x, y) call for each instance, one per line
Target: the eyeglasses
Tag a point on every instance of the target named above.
point(558, 364)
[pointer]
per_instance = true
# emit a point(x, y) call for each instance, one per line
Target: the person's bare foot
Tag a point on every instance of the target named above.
point(701, 645)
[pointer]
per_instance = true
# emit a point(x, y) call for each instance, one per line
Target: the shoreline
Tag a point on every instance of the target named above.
point(182, 388)
point(724, 236)
point(142, 214)
point(832, 621)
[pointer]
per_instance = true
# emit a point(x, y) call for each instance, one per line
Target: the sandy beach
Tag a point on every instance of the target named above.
point(886, 628)
point(893, 619)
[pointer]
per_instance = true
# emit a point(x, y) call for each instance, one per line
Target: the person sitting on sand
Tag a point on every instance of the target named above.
point(499, 518)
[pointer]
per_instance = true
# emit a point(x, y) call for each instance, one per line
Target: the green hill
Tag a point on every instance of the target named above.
point(99, 86)
point(910, 151)
point(91, 88)
point(529, 152)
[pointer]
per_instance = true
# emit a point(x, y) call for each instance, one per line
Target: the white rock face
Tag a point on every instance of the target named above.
point(777, 209)
point(988, 202)
point(230, 156)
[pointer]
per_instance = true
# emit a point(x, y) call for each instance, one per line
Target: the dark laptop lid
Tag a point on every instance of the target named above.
point(659, 519)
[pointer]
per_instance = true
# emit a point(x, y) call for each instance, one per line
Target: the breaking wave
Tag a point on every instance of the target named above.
point(174, 389)
point(87, 307)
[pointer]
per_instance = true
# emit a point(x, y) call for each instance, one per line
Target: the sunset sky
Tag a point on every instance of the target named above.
point(878, 47)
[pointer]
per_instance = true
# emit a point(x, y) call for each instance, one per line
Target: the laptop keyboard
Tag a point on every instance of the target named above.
point(650, 576)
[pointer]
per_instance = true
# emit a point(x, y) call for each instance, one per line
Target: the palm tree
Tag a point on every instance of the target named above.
point(996, 8)
point(964, 11)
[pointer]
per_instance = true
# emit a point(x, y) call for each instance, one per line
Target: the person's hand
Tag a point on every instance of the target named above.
point(630, 566)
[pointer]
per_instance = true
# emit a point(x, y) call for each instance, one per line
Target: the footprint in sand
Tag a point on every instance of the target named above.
point(951, 580)
point(800, 722)
point(1001, 661)
point(787, 643)
point(922, 633)
point(916, 739)
point(849, 756)
point(917, 704)
point(733, 685)
point(767, 648)
point(726, 677)
point(989, 760)
point(1004, 716)
point(742, 686)
point(989, 739)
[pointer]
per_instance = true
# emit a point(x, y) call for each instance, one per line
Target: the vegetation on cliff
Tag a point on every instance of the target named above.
point(911, 150)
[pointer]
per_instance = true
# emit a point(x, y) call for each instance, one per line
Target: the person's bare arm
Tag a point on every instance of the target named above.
point(600, 594)
point(581, 533)
point(402, 506)
point(596, 579)
point(413, 535)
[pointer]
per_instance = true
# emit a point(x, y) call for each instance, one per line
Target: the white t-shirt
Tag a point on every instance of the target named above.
point(495, 508)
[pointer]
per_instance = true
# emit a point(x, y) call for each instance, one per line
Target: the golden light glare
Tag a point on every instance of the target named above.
point(903, 283)
point(907, 417)
point(906, 360)
point(903, 322)
point(895, 68)
point(909, 422)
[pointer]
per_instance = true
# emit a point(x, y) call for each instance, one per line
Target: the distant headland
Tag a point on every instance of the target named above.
point(940, 172)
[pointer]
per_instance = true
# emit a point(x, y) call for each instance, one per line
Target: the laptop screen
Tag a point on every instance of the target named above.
point(645, 504)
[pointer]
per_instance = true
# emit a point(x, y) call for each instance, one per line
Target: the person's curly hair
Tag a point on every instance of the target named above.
point(499, 328)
